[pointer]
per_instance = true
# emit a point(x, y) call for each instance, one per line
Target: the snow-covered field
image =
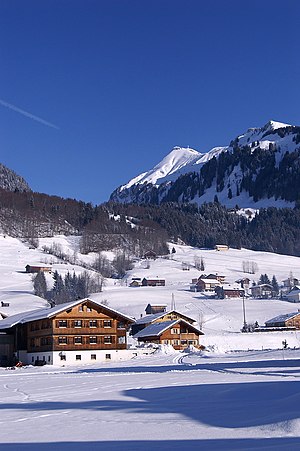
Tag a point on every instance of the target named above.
point(243, 399)
point(162, 402)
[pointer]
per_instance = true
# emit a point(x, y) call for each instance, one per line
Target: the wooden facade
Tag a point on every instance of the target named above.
point(153, 282)
point(79, 326)
point(86, 326)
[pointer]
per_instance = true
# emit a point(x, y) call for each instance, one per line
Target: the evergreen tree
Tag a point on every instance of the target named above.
point(275, 285)
point(40, 285)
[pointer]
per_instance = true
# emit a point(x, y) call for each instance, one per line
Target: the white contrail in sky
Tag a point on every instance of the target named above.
point(27, 114)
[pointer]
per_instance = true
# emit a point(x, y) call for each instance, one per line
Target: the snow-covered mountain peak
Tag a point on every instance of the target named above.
point(242, 173)
point(178, 160)
point(274, 125)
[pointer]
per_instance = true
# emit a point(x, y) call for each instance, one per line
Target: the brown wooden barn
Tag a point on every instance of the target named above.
point(38, 268)
point(153, 282)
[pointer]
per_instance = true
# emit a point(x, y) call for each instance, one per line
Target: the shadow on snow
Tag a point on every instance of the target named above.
point(226, 405)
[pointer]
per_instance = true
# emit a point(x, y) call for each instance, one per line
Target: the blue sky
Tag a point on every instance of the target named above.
point(127, 80)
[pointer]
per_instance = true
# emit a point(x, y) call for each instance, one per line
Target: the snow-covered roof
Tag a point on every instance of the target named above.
point(234, 286)
point(34, 315)
point(156, 329)
point(282, 318)
point(209, 280)
point(150, 318)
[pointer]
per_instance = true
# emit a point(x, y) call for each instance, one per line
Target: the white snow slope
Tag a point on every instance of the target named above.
point(217, 399)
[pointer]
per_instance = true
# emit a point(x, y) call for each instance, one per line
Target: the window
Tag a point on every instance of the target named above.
point(93, 356)
point(121, 340)
point(175, 342)
point(44, 341)
point(78, 357)
point(108, 339)
point(120, 325)
point(63, 357)
point(80, 308)
point(49, 358)
point(32, 342)
point(32, 359)
point(93, 340)
point(78, 323)
point(62, 323)
point(174, 331)
point(93, 323)
point(62, 340)
point(88, 309)
point(108, 356)
point(77, 340)
point(107, 323)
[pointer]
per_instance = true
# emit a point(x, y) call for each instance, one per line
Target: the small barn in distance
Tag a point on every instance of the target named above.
point(38, 268)
point(221, 247)
point(150, 255)
point(153, 282)
point(152, 309)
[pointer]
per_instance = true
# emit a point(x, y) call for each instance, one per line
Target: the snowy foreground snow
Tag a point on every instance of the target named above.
point(175, 401)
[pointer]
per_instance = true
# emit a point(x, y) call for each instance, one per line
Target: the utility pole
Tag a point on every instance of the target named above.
point(244, 315)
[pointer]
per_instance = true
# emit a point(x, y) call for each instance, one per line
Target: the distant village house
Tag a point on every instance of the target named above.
point(153, 282)
point(38, 268)
point(221, 247)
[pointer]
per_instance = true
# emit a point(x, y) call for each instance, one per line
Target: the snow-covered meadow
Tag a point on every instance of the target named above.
point(242, 393)
point(162, 402)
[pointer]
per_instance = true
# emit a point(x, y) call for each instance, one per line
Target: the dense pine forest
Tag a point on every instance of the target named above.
point(136, 228)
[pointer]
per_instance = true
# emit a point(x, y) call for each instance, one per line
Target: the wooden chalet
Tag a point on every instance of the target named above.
point(229, 291)
point(145, 321)
point(289, 320)
point(293, 295)
point(217, 276)
point(204, 284)
point(290, 282)
point(135, 283)
point(153, 282)
point(177, 333)
point(82, 331)
point(262, 291)
point(38, 268)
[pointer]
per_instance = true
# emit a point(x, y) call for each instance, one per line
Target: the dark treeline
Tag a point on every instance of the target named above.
point(136, 228)
point(272, 230)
